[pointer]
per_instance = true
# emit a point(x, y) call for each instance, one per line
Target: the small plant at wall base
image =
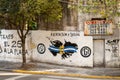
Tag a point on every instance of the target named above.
point(23, 15)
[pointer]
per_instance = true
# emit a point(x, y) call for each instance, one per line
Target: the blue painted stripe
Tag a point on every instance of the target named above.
point(70, 50)
point(53, 49)
point(67, 49)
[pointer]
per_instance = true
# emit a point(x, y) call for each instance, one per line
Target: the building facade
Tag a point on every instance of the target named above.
point(93, 41)
point(105, 33)
point(106, 38)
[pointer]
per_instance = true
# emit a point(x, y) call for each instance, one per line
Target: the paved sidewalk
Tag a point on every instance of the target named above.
point(60, 70)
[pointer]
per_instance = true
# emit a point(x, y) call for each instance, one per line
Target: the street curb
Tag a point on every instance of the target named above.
point(66, 74)
point(7, 70)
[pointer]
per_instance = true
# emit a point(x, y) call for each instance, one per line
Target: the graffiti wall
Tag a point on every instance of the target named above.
point(62, 47)
point(112, 52)
point(10, 46)
point(59, 47)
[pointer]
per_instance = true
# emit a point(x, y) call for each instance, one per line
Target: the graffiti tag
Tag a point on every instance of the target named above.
point(9, 45)
point(114, 47)
point(41, 48)
point(85, 51)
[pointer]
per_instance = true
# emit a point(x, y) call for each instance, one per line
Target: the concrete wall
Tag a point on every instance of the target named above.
point(74, 59)
point(112, 50)
point(10, 46)
point(39, 48)
point(70, 48)
point(106, 55)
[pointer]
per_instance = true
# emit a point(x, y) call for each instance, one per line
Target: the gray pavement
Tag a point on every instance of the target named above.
point(61, 70)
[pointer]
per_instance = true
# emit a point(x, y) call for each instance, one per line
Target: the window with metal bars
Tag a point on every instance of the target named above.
point(98, 27)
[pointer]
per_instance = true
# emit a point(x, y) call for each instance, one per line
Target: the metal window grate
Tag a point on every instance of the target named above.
point(98, 27)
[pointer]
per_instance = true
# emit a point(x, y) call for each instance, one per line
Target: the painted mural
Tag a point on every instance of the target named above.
point(66, 49)
point(63, 47)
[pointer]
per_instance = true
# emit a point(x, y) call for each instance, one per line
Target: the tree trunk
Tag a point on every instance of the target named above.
point(23, 52)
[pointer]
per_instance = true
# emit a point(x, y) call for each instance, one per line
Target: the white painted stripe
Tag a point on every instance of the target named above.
point(55, 70)
point(64, 78)
point(54, 48)
point(48, 79)
point(70, 49)
point(5, 74)
point(18, 77)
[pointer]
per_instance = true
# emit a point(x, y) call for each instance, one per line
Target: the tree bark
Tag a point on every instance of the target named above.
point(23, 52)
point(23, 40)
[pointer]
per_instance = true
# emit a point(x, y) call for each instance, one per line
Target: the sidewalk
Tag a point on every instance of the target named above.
point(59, 70)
